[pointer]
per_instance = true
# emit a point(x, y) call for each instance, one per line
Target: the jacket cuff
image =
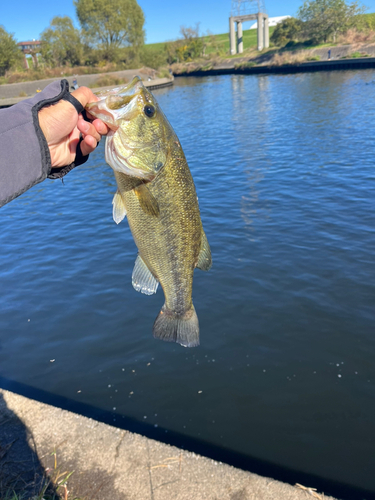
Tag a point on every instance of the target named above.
point(56, 172)
point(47, 101)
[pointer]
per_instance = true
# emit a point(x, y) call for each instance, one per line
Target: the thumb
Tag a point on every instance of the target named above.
point(85, 95)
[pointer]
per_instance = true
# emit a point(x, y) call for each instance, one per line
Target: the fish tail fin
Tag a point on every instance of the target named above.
point(171, 327)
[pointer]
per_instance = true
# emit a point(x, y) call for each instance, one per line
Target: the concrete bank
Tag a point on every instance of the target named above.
point(11, 93)
point(306, 67)
point(115, 464)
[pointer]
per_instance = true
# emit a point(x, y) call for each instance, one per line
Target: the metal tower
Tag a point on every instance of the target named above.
point(246, 7)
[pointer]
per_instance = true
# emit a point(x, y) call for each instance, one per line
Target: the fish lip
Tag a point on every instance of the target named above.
point(136, 83)
point(110, 116)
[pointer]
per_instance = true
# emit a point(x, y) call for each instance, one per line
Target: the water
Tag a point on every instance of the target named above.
point(284, 376)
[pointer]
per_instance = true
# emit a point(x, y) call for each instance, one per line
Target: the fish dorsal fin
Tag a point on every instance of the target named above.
point(204, 259)
point(119, 210)
point(142, 278)
point(146, 200)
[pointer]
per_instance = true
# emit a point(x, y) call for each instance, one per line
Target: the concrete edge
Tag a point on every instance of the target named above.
point(109, 462)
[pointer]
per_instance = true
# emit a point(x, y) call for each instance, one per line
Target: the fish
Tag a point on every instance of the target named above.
point(156, 192)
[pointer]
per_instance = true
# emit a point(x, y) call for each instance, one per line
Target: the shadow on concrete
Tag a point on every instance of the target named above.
point(21, 471)
point(241, 461)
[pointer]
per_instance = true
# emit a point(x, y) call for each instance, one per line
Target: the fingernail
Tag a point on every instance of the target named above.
point(85, 126)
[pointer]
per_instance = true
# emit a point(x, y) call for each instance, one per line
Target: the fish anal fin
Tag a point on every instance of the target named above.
point(142, 278)
point(119, 210)
point(146, 200)
point(204, 258)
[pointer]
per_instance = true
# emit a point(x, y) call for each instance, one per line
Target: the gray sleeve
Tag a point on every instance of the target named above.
point(25, 158)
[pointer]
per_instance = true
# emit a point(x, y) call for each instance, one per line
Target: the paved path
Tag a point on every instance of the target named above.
point(11, 93)
point(114, 464)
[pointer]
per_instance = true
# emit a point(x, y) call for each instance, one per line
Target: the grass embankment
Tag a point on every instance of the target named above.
point(356, 43)
point(216, 45)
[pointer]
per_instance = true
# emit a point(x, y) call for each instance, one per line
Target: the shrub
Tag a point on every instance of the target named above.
point(288, 30)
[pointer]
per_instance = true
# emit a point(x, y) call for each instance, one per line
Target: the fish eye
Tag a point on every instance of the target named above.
point(149, 110)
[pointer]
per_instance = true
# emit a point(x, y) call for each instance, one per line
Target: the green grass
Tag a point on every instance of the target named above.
point(54, 486)
point(244, 65)
point(249, 40)
point(356, 55)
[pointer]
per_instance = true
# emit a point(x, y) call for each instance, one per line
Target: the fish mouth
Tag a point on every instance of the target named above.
point(115, 103)
point(133, 87)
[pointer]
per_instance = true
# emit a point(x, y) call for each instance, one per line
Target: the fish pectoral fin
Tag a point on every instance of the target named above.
point(119, 210)
point(204, 258)
point(147, 200)
point(142, 278)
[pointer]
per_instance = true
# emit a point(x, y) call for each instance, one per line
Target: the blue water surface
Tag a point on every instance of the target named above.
point(284, 171)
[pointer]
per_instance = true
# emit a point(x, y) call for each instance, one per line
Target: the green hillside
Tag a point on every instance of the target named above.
point(221, 40)
point(219, 44)
point(249, 41)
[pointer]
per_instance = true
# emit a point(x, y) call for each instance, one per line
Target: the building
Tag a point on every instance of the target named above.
point(28, 47)
point(272, 21)
point(31, 47)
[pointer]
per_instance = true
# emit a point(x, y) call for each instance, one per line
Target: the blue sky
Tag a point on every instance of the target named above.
point(27, 19)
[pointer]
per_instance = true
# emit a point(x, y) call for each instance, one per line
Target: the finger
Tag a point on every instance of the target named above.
point(88, 128)
point(89, 115)
point(88, 144)
point(100, 126)
point(85, 95)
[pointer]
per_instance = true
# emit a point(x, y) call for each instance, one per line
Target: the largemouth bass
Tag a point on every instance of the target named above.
point(157, 194)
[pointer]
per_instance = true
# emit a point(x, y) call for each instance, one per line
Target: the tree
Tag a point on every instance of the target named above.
point(61, 43)
point(192, 42)
point(286, 31)
point(111, 24)
point(10, 54)
point(323, 18)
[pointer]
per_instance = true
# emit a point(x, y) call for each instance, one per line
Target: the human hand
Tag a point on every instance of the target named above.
point(62, 127)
